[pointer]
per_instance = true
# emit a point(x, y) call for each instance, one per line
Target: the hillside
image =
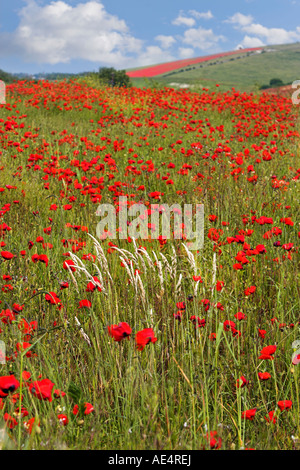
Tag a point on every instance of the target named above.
point(244, 69)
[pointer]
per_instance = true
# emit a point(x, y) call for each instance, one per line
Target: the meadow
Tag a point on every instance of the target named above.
point(140, 344)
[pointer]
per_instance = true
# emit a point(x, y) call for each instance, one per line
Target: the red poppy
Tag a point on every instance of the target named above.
point(58, 393)
point(249, 414)
point(88, 408)
point(85, 303)
point(250, 290)
point(144, 337)
point(240, 316)
point(63, 419)
point(267, 352)
point(7, 255)
point(120, 331)
point(271, 418)
point(215, 442)
point(8, 383)
point(264, 375)
point(242, 382)
point(69, 264)
point(285, 404)
point(10, 421)
point(42, 389)
point(44, 259)
point(219, 285)
point(52, 298)
point(30, 424)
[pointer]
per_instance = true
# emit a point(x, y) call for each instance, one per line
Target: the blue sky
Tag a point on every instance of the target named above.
point(81, 35)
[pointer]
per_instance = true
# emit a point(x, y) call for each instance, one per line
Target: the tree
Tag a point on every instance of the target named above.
point(6, 77)
point(112, 77)
point(275, 82)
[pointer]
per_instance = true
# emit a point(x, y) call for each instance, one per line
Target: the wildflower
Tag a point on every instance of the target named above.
point(267, 352)
point(42, 389)
point(249, 414)
point(144, 337)
point(285, 405)
point(119, 332)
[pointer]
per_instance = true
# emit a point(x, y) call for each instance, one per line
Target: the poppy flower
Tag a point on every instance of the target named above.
point(144, 337)
point(181, 305)
point(120, 331)
point(262, 333)
point(249, 414)
point(29, 425)
point(178, 315)
point(285, 405)
point(228, 325)
point(264, 375)
point(7, 255)
point(242, 382)
point(219, 286)
point(267, 352)
point(88, 408)
point(69, 264)
point(58, 393)
point(63, 419)
point(44, 259)
point(24, 412)
point(198, 322)
point(42, 389)
point(17, 308)
point(250, 290)
point(63, 285)
point(52, 298)
point(240, 316)
point(215, 442)
point(21, 347)
point(271, 418)
point(85, 303)
point(11, 422)
point(92, 286)
point(8, 383)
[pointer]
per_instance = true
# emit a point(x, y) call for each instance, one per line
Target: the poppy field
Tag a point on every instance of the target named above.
point(138, 344)
point(160, 69)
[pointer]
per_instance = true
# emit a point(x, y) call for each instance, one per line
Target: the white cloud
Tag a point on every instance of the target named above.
point(201, 38)
point(205, 15)
point(165, 41)
point(273, 35)
point(58, 32)
point(261, 35)
point(154, 55)
point(251, 41)
point(240, 19)
point(185, 52)
point(183, 20)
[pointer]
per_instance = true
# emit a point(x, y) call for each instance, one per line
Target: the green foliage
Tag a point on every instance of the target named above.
point(6, 77)
point(274, 82)
point(112, 77)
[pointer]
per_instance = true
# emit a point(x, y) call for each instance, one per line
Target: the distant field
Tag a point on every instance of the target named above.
point(243, 71)
point(167, 67)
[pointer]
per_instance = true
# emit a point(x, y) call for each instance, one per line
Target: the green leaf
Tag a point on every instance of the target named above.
point(74, 392)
